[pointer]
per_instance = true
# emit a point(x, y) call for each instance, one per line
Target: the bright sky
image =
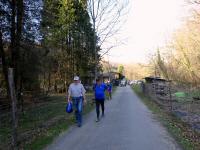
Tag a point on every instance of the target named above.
point(150, 24)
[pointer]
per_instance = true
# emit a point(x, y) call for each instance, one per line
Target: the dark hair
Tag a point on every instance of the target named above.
point(98, 79)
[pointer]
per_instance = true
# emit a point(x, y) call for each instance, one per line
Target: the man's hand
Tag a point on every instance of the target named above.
point(68, 97)
point(85, 101)
point(68, 100)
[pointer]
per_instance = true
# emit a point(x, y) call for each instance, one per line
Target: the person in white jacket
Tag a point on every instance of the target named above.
point(76, 94)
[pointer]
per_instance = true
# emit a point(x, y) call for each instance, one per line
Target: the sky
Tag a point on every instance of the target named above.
point(149, 25)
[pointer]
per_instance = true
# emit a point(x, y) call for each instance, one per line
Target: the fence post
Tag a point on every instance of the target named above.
point(170, 97)
point(14, 108)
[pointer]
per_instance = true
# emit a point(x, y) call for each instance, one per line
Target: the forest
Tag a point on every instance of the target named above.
point(47, 43)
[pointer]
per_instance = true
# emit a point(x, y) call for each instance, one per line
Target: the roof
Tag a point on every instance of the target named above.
point(107, 74)
point(151, 79)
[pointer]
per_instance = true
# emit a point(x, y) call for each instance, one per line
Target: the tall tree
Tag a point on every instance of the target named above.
point(106, 17)
point(68, 37)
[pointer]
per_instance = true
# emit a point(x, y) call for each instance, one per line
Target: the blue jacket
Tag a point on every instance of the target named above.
point(109, 87)
point(100, 91)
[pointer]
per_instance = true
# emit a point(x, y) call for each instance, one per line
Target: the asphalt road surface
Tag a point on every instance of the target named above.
point(127, 125)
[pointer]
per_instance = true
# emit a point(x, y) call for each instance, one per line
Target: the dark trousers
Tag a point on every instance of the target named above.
point(98, 103)
point(110, 94)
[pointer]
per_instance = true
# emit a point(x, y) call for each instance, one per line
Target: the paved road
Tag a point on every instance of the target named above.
point(127, 125)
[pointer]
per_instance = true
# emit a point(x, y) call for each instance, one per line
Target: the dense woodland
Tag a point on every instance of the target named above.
point(46, 42)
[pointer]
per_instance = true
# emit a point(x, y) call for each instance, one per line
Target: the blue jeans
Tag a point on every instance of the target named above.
point(78, 105)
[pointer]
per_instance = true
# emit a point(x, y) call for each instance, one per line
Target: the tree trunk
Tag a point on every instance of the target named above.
point(44, 81)
point(16, 30)
point(19, 25)
point(95, 52)
point(20, 93)
point(4, 65)
point(55, 87)
point(14, 108)
point(13, 29)
point(49, 81)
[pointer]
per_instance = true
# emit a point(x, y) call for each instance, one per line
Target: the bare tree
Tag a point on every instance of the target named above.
point(107, 19)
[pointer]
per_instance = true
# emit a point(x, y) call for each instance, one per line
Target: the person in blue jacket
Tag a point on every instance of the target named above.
point(109, 89)
point(99, 92)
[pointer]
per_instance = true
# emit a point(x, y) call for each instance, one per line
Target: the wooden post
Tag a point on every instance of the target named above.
point(170, 97)
point(14, 108)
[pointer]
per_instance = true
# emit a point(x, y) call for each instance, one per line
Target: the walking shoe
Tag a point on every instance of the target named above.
point(97, 120)
point(79, 125)
point(102, 115)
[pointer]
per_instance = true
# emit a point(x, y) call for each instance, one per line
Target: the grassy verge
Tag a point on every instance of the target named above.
point(60, 125)
point(187, 139)
point(32, 121)
point(48, 136)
